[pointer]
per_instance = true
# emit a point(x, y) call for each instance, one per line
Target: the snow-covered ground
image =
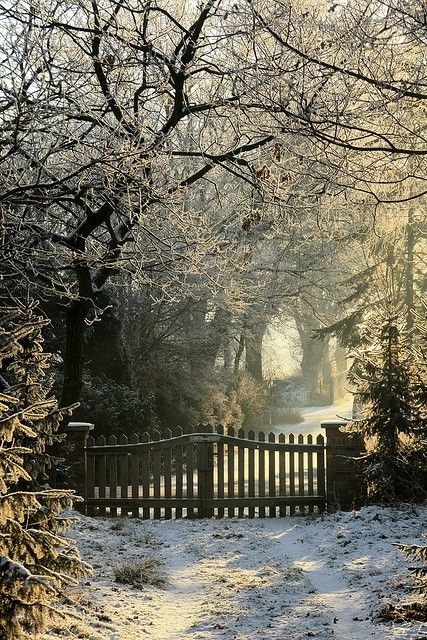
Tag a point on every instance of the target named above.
point(324, 577)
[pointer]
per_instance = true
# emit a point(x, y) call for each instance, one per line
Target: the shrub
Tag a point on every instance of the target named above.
point(115, 408)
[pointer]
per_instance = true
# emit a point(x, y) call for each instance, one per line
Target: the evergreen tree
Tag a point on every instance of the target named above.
point(36, 558)
point(390, 382)
point(418, 553)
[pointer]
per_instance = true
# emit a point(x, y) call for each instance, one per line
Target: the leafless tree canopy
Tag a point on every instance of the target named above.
point(211, 141)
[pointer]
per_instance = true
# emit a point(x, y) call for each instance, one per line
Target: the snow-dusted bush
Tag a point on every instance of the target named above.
point(115, 408)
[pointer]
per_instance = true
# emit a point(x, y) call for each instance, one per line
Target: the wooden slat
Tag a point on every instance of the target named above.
point(134, 471)
point(209, 477)
point(90, 478)
point(156, 436)
point(291, 472)
point(261, 474)
point(241, 470)
point(282, 474)
point(251, 473)
point(189, 459)
point(178, 473)
point(112, 474)
point(220, 470)
point(156, 470)
point(272, 474)
point(301, 475)
point(321, 483)
point(230, 472)
point(145, 474)
point(167, 473)
point(310, 479)
point(205, 479)
point(201, 478)
point(124, 473)
point(102, 474)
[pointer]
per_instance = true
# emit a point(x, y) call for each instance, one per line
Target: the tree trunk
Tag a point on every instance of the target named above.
point(341, 370)
point(315, 366)
point(238, 355)
point(105, 349)
point(74, 351)
point(253, 341)
point(327, 385)
point(228, 352)
point(216, 331)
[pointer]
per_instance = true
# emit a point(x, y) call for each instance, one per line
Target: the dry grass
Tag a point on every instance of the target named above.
point(146, 571)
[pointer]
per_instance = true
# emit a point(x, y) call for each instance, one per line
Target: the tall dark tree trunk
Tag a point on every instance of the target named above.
point(216, 334)
point(253, 342)
point(74, 351)
point(105, 350)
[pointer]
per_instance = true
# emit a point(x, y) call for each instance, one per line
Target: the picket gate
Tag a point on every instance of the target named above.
point(204, 473)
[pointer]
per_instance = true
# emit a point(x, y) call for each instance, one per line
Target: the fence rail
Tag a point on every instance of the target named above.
point(203, 473)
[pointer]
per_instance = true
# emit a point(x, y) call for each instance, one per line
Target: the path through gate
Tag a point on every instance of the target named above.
point(204, 474)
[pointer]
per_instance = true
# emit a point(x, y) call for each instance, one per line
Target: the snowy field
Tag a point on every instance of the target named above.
point(289, 579)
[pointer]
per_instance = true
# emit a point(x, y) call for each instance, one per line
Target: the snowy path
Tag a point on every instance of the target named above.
point(347, 606)
point(313, 416)
point(272, 579)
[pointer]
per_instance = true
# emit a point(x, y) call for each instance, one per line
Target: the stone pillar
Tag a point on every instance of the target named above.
point(77, 437)
point(344, 489)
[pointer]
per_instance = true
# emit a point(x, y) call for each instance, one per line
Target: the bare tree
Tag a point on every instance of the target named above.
point(111, 113)
point(350, 78)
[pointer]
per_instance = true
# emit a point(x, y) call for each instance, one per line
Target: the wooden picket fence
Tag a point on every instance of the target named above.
point(205, 472)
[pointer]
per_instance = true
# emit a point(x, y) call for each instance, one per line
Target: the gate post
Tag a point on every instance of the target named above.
point(77, 436)
point(205, 469)
point(344, 487)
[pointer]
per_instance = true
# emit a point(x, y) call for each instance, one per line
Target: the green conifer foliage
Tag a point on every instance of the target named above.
point(419, 573)
point(36, 558)
point(390, 380)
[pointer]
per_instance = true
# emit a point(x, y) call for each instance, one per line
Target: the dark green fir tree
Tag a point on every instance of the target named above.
point(417, 553)
point(37, 559)
point(389, 377)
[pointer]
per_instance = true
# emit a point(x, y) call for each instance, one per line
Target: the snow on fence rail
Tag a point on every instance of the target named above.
point(205, 472)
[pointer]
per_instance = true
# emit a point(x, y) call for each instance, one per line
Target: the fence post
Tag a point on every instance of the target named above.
point(77, 436)
point(205, 469)
point(344, 489)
